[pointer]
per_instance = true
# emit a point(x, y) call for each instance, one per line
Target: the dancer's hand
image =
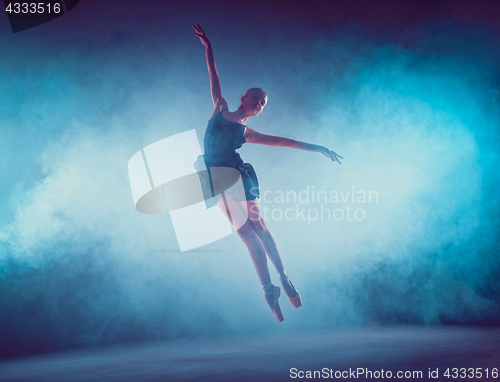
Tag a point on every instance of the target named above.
point(201, 34)
point(331, 154)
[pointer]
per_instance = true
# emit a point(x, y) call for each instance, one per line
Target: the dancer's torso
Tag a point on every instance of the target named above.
point(222, 139)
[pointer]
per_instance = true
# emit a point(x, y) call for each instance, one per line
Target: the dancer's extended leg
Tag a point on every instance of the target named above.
point(264, 234)
point(269, 243)
point(236, 214)
point(249, 237)
point(239, 219)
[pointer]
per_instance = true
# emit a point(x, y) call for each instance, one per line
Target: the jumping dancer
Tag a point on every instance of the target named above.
point(226, 132)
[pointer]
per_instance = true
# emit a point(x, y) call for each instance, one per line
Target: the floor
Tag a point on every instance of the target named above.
point(281, 357)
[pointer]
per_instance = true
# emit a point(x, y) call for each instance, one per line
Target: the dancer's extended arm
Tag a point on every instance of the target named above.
point(219, 101)
point(252, 136)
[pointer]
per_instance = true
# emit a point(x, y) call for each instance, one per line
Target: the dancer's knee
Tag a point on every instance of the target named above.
point(247, 230)
point(259, 225)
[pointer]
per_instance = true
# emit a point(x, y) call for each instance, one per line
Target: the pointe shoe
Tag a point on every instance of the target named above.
point(291, 292)
point(272, 297)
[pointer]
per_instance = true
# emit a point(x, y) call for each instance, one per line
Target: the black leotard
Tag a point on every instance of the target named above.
point(222, 138)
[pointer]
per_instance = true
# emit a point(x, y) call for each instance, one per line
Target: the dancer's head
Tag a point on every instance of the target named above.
point(254, 100)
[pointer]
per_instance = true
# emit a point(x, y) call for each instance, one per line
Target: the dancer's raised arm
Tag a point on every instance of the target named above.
point(252, 136)
point(217, 98)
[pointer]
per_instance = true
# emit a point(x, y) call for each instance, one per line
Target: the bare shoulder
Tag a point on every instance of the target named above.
point(219, 106)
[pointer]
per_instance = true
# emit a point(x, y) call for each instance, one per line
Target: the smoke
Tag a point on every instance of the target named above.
point(416, 123)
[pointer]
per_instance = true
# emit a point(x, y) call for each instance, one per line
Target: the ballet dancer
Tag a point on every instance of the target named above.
point(226, 132)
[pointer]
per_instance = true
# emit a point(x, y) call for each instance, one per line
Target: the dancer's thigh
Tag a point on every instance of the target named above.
point(235, 211)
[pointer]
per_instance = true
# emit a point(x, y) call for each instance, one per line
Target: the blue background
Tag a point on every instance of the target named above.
point(407, 92)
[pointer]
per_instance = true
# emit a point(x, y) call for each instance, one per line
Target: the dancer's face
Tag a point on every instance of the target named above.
point(254, 101)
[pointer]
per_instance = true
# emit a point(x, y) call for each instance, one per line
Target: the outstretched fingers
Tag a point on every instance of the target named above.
point(335, 156)
point(198, 30)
